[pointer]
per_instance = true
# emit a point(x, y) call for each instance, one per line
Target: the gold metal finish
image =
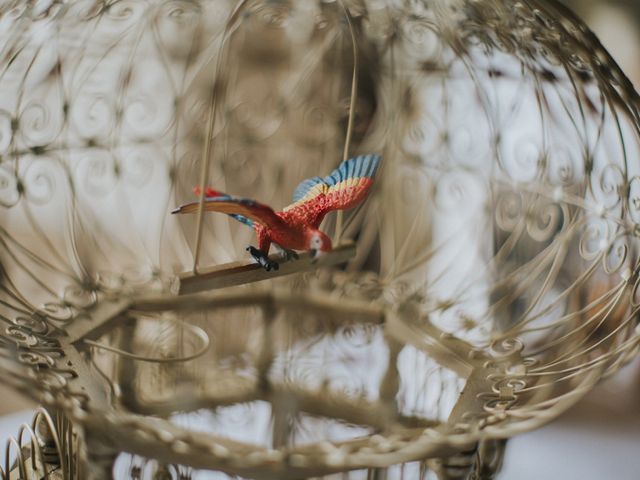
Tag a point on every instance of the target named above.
point(492, 281)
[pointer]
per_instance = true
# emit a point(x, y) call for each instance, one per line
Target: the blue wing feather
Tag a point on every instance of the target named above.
point(242, 219)
point(305, 186)
point(362, 166)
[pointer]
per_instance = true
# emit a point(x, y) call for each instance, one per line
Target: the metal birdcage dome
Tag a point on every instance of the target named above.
point(489, 281)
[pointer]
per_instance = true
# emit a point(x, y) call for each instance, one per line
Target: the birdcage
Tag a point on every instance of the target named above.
point(488, 281)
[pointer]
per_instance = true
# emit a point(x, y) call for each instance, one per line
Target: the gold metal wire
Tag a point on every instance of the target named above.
point(38, 464)
point(352, 108)
point(196, 331)
point(206, 153)
point(541, 338)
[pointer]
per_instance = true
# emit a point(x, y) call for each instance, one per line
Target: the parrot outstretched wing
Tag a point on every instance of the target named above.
point(244, 210)
point(344, 188)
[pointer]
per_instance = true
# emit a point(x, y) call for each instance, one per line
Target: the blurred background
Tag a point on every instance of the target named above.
point(600, 437)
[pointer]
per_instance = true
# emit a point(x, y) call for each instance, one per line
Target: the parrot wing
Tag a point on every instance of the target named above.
point(344, 188)
point(242, 209)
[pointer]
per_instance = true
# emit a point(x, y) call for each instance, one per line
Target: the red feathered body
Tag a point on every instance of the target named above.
point(293, 237)
point(301, 220)
point(296, 227)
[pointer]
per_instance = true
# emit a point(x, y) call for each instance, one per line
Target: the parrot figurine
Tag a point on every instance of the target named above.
point(297, 226)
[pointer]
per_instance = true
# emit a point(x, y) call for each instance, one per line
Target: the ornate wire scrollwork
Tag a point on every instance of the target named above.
point(495, 279)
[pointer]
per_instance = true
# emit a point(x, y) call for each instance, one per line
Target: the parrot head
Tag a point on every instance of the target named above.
point(318, 243)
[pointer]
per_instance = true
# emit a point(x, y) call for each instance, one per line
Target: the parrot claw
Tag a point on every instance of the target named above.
point(288, 255)
point(263, 260)
point(271, 265)
point(294, 255)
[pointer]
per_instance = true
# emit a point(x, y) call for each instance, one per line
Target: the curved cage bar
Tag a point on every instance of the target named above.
point(493, 275)
point(47, 448)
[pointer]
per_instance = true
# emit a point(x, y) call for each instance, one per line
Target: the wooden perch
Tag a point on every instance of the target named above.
point(240, 273)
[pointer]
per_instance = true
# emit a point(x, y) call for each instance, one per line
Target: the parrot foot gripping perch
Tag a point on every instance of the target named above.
point(268, 264)
point(263, 259)
point(287, 254)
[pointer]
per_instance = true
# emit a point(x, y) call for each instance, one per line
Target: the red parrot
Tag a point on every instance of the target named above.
point(297, 226)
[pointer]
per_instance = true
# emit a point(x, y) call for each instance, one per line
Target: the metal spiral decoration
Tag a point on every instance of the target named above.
point(495, 276)
point(47, 448)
